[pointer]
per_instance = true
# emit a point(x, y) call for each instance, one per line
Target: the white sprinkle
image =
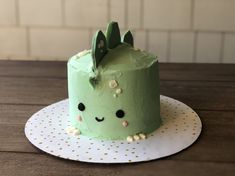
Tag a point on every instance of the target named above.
point(136, 137)
point(113, 84)
point(76, 132)
point(115, 95)
point(129, 139)
point(142, 136)
point(118, 91)
point(70, 129)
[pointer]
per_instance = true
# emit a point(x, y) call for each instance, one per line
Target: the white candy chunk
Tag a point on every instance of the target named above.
point(76, 132)
point(136, 137)
point(70, 129)
point(129, 139)
point(113, 84)
point(142, 136)
point(118, 91)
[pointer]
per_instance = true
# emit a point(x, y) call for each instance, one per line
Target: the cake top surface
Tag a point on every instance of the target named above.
point(123, 57)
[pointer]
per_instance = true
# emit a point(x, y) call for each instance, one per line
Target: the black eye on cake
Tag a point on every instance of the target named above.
point(120, 113)
point(81, 107)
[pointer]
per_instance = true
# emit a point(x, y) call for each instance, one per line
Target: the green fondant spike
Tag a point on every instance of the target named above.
point(113, 35)
point(99, 48)
point(128, 38)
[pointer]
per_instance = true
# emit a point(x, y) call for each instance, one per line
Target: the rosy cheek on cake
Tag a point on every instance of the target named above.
point(79, 118)
point(125, 123)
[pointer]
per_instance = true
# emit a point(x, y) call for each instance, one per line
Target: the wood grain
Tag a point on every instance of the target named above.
point(33, 69)
point(26, 87)
point(37, 165)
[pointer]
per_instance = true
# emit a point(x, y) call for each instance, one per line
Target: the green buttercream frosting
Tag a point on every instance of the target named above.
point(126, 79)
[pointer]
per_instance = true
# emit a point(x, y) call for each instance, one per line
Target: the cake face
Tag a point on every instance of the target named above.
point(116, 95)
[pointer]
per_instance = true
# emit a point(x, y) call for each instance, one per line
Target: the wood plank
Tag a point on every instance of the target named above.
point(201, 95)
point(17, 114)
point(32, 91)
point(12, 138)
point(12, 164)
point(192, 71)
point(56, 69)
point(168, 71)
point(197, 94)
point(214, 144)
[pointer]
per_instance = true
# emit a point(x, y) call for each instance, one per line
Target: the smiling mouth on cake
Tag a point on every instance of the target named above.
point(99, 119)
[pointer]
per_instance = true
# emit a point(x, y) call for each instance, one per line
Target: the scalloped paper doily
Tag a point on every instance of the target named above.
point(46, 130)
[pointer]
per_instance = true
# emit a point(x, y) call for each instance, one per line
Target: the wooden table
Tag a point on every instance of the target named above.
point(26, 87)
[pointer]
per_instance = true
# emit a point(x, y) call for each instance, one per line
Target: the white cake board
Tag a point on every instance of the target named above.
point(46, 130)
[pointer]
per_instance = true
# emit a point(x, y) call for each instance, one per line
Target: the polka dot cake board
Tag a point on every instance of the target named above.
point(180, 128)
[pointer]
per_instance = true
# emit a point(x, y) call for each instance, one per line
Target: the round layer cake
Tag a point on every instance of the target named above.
point(114, 89)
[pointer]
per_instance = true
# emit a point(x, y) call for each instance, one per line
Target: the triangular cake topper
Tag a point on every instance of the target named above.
point(102, 44)
point(99, 48)
point(128, 38)
point(113, 35)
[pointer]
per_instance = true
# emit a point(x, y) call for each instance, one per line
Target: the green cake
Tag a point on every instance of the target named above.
point(113, 89)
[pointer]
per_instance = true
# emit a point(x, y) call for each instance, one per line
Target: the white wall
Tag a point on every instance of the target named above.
point(176, 30)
